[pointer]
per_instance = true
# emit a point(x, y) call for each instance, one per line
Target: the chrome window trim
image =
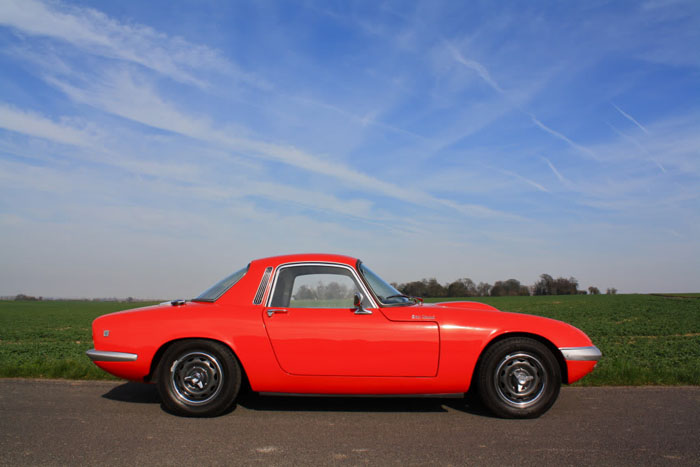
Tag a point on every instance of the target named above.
point(591, 353)
point(263, 286)
point(106, 356)
point(359, 281)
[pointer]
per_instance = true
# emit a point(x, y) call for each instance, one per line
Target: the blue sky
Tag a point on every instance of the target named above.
point(148, 149)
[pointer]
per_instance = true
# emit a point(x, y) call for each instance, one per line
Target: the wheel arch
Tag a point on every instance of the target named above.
point(508, 335)
point(152, 373)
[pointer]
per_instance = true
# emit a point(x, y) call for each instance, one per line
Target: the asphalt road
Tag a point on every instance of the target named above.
point(106, 423)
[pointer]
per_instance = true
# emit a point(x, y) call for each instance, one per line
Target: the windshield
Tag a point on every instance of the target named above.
point(217, 290)
point(386, 293)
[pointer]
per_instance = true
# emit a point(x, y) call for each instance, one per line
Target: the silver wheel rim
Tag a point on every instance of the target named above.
point(196, 378)
point(520, 380)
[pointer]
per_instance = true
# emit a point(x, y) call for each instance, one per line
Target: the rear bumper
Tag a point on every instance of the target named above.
point(587, 354)
point(105, 356)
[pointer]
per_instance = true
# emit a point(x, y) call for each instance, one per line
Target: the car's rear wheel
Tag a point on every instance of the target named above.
point(198, 378)
point(518, 377)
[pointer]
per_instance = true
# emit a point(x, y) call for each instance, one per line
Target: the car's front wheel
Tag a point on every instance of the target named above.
point(518, 377)
point(198, 378)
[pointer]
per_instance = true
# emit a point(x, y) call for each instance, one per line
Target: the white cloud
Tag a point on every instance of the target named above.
point(395, 140)
point(631, 119)
point(556, 172)
point(476, 67)
point(562, 137)
point(119, 93)
point(33, 124)
point(97, 34)
point(527, 180)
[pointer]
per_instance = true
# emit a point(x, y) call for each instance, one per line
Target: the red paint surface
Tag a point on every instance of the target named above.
point(577, 370)
point(419, 349)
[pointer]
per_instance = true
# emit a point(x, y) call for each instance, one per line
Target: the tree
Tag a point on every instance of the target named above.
point(483, 289)
point(435, 289)
point(567, 286)
point(25, 297)
point(611, 291)
point(511, 288)
point(462, 288)
point(305, 293)
point(545, 285)
point(423, 288)
point(413, 289)
point(593, 290)
point(559, 286)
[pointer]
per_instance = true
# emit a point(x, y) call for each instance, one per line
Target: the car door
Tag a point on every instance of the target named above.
point(314, 329)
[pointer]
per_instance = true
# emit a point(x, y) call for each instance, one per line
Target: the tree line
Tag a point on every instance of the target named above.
point(547, 285)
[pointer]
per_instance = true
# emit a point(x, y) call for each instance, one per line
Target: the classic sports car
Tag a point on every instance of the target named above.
point(326, 324)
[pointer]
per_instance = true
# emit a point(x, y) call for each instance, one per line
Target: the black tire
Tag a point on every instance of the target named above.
point(198, 378)
point(518, 377)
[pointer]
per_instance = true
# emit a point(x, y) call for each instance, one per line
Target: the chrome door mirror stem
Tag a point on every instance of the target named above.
point(357, 303)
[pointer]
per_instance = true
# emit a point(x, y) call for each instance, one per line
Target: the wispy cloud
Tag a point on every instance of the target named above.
point(481, 132)
point(93, 31)
point(556, 172)
point(561, 136)
point(475, 66)
point(368, 119)
point(639, 146)
point(631, 119)
point(33, 124)
point(526, 180)
point(122, 95)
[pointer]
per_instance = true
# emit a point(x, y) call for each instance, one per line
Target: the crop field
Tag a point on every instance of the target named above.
point(48, 339)
point(645, 339)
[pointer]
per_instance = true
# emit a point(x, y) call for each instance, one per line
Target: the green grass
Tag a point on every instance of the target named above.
point(49, 339)
point(645, 339)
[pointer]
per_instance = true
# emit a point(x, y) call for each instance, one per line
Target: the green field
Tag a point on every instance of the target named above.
point(49, 339)
point(645, 339)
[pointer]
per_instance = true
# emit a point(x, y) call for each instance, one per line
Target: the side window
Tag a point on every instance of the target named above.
point(322, 291)
point(315, 286)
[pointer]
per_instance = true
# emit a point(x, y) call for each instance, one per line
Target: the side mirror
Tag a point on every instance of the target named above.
point(357, 303)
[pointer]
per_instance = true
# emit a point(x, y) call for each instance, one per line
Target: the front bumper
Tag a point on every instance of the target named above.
point(580, 361)
point(105, 356)
point(587, 354)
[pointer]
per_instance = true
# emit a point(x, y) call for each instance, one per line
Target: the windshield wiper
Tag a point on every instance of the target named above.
point(414, 299)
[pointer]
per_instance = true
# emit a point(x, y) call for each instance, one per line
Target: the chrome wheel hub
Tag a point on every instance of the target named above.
point(196, 378)
point(520, 379)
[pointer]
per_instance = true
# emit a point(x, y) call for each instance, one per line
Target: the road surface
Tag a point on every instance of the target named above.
point(117, 423)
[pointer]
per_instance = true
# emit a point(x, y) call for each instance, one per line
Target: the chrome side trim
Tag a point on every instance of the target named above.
point(591, 353)
point(104, 356)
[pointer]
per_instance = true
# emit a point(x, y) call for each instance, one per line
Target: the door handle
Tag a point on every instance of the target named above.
point(273, 311)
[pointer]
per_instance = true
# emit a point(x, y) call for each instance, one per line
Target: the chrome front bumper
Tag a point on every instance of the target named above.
point(588, 354)
point(104, 356)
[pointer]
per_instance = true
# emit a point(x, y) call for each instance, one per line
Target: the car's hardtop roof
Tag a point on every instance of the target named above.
point(306, 257)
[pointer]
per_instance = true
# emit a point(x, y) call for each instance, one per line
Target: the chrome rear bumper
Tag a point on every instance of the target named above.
point(104, 356)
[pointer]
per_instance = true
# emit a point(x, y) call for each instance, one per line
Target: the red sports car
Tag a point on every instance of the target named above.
point(326, 324)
